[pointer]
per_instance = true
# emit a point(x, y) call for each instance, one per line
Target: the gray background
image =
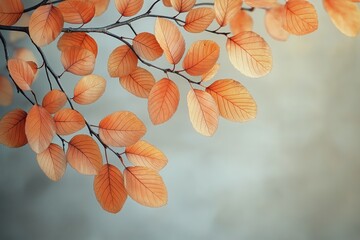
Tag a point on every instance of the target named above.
point(292, 173)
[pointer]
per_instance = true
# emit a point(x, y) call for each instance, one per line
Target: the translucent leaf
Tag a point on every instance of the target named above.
point(261, 3)
point(68, 121)
point(241, 22)
point(167, 3)
point(121, 129)
point(46, 23)
point(54, 101)
point(250, 54)
point(129, 8)
point(22, 73)
point(170, 40)
point(203, 112)
point(100, 6)
point(122, 61)
point(78, 61)
point(273, 23)
point(182, 5)
point(109, 188)
point(299, 17)
point(52, 162)
point(199, 19)
point(201, 57)
point(139, 82)
point(89, 89)
point(225, 10)
point(10, 11)
point(163, 101)
point(39, 128)
point(12, 129)
point(24, 54)
point(145, 186)
point(234, 101)
point(210, 74)
point(144, 154)
point(78, 12)
point(83, 154)
point(6, 92)
point(77, 39)
point(146, 46)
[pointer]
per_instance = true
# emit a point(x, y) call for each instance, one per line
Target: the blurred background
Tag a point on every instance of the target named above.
point(292, 173)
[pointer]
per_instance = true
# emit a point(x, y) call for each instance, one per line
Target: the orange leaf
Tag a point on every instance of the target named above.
point(83, 154)
point(68, 121)
point(166, 3)
point(225, 10)
point(39, 128)
point(89, 89)
point(250, 54)
point(163, 101)
point(345, 15)
point(299, 17)
point(234, 101)
point(273, 23)
point(109, 188)
point(12, 128)
point(145, 186)
point(6, 92)
point(203, 112)
point(199, 19)
point(77, 39)
point(128, 8)
point(46, 23)
point(22, 73)
point(75, 11)
point(78, 61)
point(139, 82)
point(122, 61)
point(201, 57)
point(54, 101)
point(121, 129)
point(210, 74)
point(261, 3)
point(10, 11)
point(100, 6)
point(241, 22)
point(144, 154)
point(182, 5)
point(146, 46)
point(53, 162)
point(24, 54)
point(170, 40)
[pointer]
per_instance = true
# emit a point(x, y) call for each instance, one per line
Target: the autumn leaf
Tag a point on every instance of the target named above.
point(199, 19)
point(234, 101)
point(54, 101)
point(6, 92)
point(139, 82)
point(241, 22)
point(10, 11)
point(77, 39)
point(122, 61)
point(12, 129)
point(273, 23)
point(121, 129)
point(163, 101)
point(261, 3)
point(39, 128)
point(170, 40)
point(89, 89)
point(146, 46)
point(52, 162)
point(24, 54)
point(109, 188)
point(166, 3)
point(78, 12)
point(250, 54)
point(225, 10)
point(83, 154)
point(68, 121)
point(210, 74)
point(145, 186)
point(46, 23)
point(22, 73)
point(128, 8)
point(144, 154)
point(78, 61)
point(182, 5)
point(201, 57)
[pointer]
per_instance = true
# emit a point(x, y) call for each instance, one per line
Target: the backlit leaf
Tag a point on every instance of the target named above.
point(77, 39)
point(46, 23)
point(122, 61)
point(166, 3)
point(261, 3)
point(121, 129)
point(299, 17)
point(53, 162)
point(210, 74)
point(12, 128)
point(129, 8)
point(83, 154)
point(68, 121)
point(182, 5)
point(146, 46)
point(241, 22)
point(201, 57)
point(100, 6)
point(54, 101)
point(144, 154)
point(170, 40)
point(273, 23)
point(24, 54)
point(139, 82)
point(145, 186)
point(199, 19)
point(89, 89)
point(78, 61)
point(10, 11)
point(6, 92)
point(163, 101)
point(22, 73)
point(39, 128)
point(250, 54)
point(225, 10)
point(77, 12)
point(109, 188)
point(234, 101)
